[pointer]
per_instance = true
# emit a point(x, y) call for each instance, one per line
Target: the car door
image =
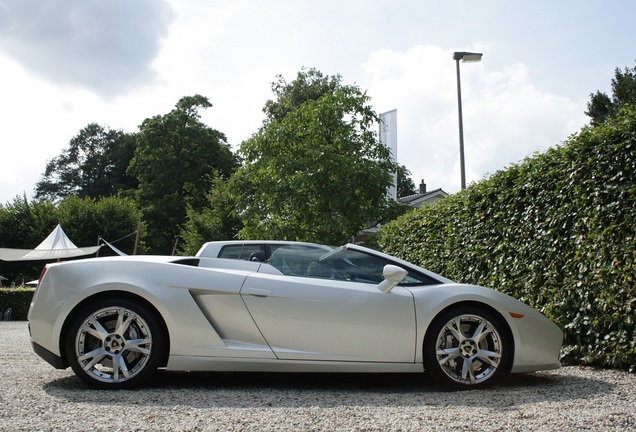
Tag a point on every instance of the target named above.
point(303, 317)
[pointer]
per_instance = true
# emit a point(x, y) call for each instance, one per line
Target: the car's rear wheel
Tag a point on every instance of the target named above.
point(115, 343)
point(466, 347)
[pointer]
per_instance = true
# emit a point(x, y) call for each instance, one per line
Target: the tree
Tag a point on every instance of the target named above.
point(24, 225)
point(601, 107)
point(174, 158)
point(309, 85)
point(216, 221)
point(405, 185)
point(315, 171)
point(93, 166)
point(115, 219)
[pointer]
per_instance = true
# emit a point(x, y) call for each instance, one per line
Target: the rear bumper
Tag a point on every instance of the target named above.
point(54, 360)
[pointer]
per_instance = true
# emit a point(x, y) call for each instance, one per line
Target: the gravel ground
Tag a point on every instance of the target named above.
point(34, 396)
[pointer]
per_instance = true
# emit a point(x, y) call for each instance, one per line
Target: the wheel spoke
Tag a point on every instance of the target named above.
point(95, 329)
point(483, 329)
point(454, 327)
point(119, 365)
point(467, 371)
point(139, 345)
point(96, 356)
point(445, 355)
point(489, 357)
point(124, 319)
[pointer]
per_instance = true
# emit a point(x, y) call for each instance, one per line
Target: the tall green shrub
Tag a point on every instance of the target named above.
point(18, 300)
point(556, 231)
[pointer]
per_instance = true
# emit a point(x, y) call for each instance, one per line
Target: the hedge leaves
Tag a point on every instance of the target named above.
point(556, 231)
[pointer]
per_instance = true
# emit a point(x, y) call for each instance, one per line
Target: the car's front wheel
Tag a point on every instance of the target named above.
point(115, 343)
point(466, 347)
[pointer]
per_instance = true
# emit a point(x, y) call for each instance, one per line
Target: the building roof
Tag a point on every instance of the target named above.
point(429, 197)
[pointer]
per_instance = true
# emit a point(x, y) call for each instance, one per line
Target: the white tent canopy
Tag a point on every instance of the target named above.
point(56, 246)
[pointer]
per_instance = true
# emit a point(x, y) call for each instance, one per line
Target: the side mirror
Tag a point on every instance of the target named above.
point(393, 275)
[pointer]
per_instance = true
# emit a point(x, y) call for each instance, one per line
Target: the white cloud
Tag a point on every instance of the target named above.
point(506, 118)
point(107, 47)
point(30, 120)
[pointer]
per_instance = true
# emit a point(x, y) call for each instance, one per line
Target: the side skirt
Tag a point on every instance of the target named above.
point(190, 363)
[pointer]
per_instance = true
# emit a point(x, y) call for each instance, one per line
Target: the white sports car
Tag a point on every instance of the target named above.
point(307, 308)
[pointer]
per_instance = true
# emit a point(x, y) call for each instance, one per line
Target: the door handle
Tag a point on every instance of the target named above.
point(258, 292)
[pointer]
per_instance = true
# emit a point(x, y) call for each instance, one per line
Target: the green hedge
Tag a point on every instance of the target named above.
point(18, 299)
point(556, 231)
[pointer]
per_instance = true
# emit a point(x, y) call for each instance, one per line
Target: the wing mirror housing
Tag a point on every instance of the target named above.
point(393, 275)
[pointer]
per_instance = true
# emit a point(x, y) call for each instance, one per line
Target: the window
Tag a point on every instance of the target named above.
point(231, 251)
point(249, 249)
point(241, 251)
point(339, 264)
point(296, 260)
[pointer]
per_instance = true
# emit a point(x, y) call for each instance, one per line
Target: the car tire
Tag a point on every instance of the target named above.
point(115, 343)
point(467, 347)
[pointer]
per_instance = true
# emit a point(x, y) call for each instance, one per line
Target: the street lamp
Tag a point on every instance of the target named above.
point(466, 57)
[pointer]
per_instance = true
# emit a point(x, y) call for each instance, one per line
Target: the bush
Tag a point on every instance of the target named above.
point(556, 231)
point(18, 299)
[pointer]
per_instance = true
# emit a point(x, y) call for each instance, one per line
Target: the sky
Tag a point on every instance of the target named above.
point(67, 63)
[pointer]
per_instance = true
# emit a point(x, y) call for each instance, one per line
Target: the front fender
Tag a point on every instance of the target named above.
point(537, 341)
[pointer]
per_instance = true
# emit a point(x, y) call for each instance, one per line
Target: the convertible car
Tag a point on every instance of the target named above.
point(306, 308)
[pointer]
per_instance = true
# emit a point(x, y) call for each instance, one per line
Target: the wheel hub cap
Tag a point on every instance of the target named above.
point(469, 349)
point(114, 344)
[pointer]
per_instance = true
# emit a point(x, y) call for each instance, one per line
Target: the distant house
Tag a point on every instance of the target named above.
point(423, 197)
point(415, 201)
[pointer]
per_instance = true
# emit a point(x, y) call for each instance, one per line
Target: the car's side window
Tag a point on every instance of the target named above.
point(273, 247)
point(417, 279)
point(369, 268)
point(231, 251)
point(355, 266)
point(243, 251)
point(294, 260)
point(338, 264)
point(253, 250)
point(360, 267)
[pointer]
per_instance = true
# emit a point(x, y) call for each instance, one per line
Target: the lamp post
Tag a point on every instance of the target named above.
point(466, 57)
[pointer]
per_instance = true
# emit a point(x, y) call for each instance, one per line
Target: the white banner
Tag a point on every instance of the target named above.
point(388, 137)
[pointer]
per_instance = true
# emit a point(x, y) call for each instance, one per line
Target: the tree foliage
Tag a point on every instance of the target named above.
point(216, 221)
point(94, 165)
point(405, 185)
point(173, 162)
point(601, 107)
point(24, 225)
point(315, 171)
point(112, 218)
point(556, 231)
point(309, 85)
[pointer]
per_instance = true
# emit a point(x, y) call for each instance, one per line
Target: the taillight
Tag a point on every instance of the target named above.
point(42, 274)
